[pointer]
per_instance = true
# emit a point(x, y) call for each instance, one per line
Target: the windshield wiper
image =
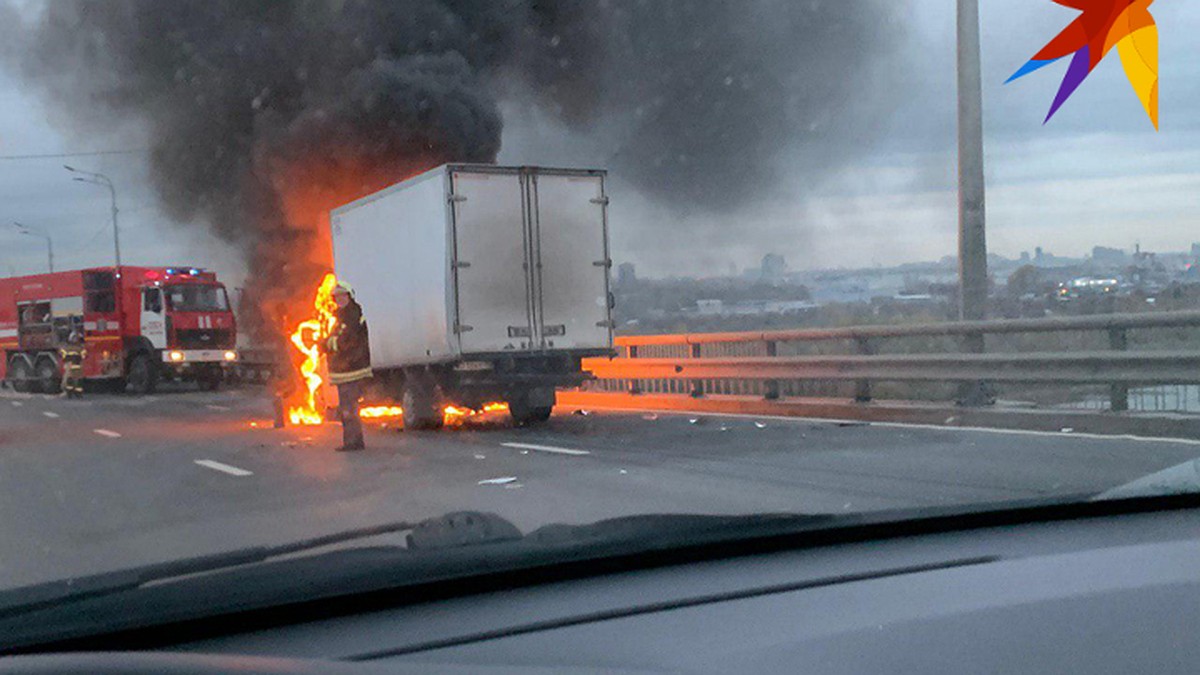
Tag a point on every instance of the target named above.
point(32, 598)
point(459, 530)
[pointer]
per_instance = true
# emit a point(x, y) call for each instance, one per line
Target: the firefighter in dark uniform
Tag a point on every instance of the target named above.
point(73, 353)
point(349, 363)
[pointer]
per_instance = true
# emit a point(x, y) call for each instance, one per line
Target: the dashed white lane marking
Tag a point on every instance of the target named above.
point(213, 406)
point(17, 403)
point(546, 448)
point(223, 468)
point(51, 415)
point(106, 432)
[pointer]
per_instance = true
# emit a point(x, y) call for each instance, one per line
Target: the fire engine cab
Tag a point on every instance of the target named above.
point(139, 325)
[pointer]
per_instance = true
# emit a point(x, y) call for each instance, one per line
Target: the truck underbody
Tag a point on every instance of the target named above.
point(526, 382)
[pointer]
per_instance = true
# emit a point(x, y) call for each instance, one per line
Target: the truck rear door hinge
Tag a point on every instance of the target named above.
point(462, 264)
point(456, 198)
point(602, 201)
point(606, 324)
point(607, 264)
point(463, 328)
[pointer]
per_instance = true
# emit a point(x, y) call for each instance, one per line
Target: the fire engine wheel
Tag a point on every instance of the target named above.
point(142, 378)
point(48, 380)
point(420, 410)
point(20, 375)
point(210, 381)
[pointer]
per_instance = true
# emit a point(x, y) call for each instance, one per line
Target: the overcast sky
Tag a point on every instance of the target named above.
point(1097, 174)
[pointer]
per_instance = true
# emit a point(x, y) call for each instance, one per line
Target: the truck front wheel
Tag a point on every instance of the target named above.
point(420, 408)
point(20, 375)
point(142, 377)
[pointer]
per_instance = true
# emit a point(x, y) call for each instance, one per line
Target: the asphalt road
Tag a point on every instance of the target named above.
point(112, 481)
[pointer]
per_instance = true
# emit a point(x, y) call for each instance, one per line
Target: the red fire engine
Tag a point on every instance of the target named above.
point(139, 325)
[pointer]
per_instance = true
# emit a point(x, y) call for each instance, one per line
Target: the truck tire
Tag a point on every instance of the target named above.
point(533, 406)
point(20, 375)
point(142, 377)
point(525, 415)
point(48, 379)
point(421, 412)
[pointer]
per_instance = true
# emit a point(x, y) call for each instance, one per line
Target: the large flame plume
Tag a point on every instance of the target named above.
point(308, 338)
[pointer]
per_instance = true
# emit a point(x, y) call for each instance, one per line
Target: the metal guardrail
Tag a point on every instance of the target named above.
point(644, 358)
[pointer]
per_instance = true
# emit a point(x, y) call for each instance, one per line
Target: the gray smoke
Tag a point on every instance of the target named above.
point(263, 115)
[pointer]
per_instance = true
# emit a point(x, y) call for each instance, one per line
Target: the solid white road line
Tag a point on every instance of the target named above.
point(106, 432)
point(51, 415)
point(546, 448)
point(905, 425)
point(223, 468)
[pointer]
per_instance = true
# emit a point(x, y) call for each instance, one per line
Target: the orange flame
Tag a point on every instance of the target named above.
point(454, 415)
point(378, 411)
point(307, 338)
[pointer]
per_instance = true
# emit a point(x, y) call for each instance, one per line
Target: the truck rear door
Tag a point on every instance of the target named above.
point(569, 226)
point(490, 261)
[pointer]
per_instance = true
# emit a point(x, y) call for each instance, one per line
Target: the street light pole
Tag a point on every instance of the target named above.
point(100, 179)
point(23, 229)
point(972, 221)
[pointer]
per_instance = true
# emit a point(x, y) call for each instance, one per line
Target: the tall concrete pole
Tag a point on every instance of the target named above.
point(972, 230)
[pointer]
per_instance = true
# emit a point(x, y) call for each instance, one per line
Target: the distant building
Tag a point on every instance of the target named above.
point(1196, 251)
point(774, 267)
point(1109, 256)
point(626, 274)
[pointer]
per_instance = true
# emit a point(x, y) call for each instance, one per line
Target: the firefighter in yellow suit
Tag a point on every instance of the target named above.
point(73, 353)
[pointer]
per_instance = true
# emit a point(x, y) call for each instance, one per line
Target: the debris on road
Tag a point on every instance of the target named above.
point(624, 472)
point(760, 425)
point(499, 481)
point(696, 420)
point(951, 420)
point(1068, 430)
point(651, 417)
point(724, 428)
point(480, 456)
point(582, 413)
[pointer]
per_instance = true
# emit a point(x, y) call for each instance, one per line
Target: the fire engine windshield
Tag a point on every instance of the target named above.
point(197, 298)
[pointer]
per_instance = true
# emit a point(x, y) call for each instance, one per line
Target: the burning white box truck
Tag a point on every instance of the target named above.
point(480, 283)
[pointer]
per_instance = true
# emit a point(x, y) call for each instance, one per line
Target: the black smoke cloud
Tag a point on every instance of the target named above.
point(247, 103)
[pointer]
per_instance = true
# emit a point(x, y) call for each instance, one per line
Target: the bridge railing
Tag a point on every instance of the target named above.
point(774, 364)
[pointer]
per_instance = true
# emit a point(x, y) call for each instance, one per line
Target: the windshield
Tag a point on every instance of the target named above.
point(567, 262)
point(196, 298)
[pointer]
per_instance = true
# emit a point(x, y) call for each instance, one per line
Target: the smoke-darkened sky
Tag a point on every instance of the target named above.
point(821, 130)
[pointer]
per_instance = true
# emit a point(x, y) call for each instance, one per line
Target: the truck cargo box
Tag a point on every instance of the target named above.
point(471, 261)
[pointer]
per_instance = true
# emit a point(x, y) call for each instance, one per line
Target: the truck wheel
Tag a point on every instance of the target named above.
point(142, 377)
point(524, 415)
point(420, 410)
point(532, 407)
point(20, 375)
point(49, 380)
